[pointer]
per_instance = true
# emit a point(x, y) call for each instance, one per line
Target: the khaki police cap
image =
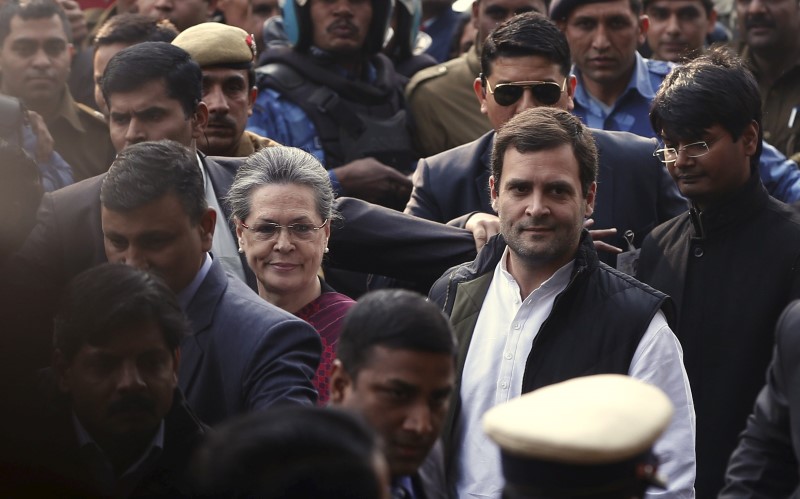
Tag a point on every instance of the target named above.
point(217, 44)
point(590, 420)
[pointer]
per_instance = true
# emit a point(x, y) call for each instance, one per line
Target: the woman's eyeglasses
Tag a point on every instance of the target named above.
point(269, 230)
point(545, 92)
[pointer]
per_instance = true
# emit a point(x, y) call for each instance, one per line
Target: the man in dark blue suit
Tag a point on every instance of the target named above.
point(525, 63)
point(244, 354)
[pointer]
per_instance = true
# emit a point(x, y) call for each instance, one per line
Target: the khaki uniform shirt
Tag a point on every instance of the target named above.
point(781, 109)
point(443, 105)
point(250, 143)
point(81, 138)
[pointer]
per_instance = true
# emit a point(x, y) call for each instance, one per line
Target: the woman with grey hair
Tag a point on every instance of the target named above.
point(282, 206)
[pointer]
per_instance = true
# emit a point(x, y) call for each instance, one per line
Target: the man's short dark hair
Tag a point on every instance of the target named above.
point(560, 10)
point(524, 35)
point(110, 298)
point(130, 29)
point(713, 89)
point(36, 9)
point(542, 129)
point(133, 67)
point(297, 452)
point(708, 5)
point(396, 319)
point(145, 172)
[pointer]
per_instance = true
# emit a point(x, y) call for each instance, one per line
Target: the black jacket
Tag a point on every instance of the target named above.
point(765, 465)
point(594, 327)
point(731, 270)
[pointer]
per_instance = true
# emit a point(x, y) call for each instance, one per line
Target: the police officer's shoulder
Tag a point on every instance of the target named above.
point(90, 116)
point(660, 68)
point(428, 74)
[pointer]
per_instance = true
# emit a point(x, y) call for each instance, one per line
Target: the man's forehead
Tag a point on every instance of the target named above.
point(675, 4)
point(518, 6)
point(152, 94)
point(32, 28)
point(217, 73)
point(602, 9)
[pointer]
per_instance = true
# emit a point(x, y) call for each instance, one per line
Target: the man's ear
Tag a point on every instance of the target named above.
point(208, 221)
point(750, 138)
point(62, 370)
point(199, 120)
point(480, 93)
point(572, 83)
point(644, 25)
point(176, 357)
point(591, 194)
point(340, 383)
point(493, 192)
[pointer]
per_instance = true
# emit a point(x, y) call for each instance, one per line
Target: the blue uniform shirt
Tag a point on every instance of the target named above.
point(630, 112)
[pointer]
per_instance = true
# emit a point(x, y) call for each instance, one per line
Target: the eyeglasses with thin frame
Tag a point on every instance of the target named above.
point(546, 92)
point(669, 155)
point(298, 231)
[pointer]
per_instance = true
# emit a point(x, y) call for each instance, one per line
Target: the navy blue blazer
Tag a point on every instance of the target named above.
point(634, 191)
point(245, 354)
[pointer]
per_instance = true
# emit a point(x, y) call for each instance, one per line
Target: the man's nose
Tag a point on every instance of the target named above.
point(41, 59)
point(600, 40)
point(673, 26)
point(130, 378)
point(419, 419)
point(215, 100)
point(134, 133)
point(537, 205)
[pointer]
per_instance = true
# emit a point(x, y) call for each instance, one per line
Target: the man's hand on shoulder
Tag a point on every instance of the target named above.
point(372, 181)
point(483, 226)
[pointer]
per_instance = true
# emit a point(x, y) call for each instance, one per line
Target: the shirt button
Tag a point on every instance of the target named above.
point(516, 326)
point(508, 355)
point(698, 252)
point(504, 384)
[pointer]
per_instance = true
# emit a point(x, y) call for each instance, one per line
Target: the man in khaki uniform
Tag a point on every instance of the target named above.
point(771, 48)
point(35, 57)
point(441, 98)
point(225, 54)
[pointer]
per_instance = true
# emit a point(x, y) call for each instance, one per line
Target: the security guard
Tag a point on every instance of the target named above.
point(588, 437)
point(225, 54)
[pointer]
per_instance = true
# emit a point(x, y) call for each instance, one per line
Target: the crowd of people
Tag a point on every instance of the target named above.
point(328, 249)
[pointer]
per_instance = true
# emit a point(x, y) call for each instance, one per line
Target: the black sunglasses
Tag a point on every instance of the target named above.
point(546, 92)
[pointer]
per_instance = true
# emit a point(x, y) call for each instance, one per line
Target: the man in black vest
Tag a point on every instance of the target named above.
point(333, 95)
point(536, 307)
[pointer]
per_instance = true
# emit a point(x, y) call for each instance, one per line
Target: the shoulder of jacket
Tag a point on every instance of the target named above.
point(284, 75)
point(425, 75)
point(93, 115)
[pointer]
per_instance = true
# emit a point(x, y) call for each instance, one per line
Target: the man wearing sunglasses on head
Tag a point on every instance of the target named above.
point(525, 63)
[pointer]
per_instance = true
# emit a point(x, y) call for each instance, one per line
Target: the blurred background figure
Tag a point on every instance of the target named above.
point(405, 43)
point(589, 437)
point(118, 33)
point(439, 22)
point(302, 453)
point(282, 205)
